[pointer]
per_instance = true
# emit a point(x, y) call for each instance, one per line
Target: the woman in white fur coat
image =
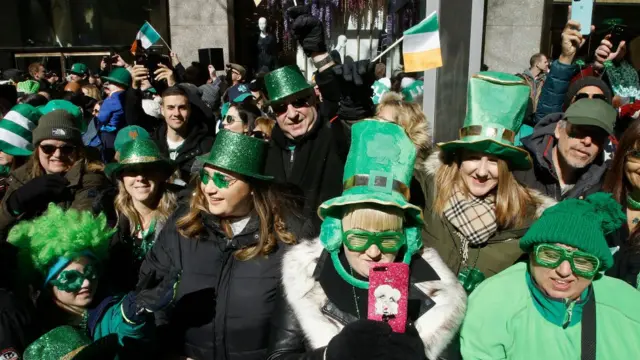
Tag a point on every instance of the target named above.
point(322, 311)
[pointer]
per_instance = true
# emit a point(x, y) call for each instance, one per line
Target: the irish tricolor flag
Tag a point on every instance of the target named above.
point(147, 36)
point(421, 46)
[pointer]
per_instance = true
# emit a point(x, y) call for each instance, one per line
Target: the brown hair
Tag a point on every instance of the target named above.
point(616, 181)
point(512, 199)
point(409, 115)
point(380, 70)
point(124, 205)
point(34, 67)
point(266, 122)
point(268, 203)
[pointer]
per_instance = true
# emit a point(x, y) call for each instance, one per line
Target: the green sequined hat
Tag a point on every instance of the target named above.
point(378, 171)
point(140, 152)
point(286, 83)
point(238, 153)
point(496, 107)
point(66, 342)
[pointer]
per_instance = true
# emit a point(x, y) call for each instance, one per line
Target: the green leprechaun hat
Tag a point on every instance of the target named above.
point(286, 83)
point(238, 153)
point(119, 76)
point(16, 130)
point(378, 171)
point(140, 153)
point(78, 69)
point(496, 107)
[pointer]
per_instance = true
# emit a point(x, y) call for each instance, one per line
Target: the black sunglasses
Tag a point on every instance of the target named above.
point(259, 135)
point(590, 96)
point(64, 149)
point(282, 107)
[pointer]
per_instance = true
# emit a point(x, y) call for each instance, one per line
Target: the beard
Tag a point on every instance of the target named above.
point(573, 163)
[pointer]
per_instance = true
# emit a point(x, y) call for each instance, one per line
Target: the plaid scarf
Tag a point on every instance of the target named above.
point(473, 218)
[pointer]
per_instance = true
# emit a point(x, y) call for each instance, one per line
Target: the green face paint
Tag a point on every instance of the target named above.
point(204, 177)
point(71, 280)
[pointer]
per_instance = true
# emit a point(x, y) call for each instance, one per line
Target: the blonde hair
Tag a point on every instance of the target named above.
point(266, 122)
point(124, 206)
point(409, 115)
point(512, 199)
point(92, 91)
point(267, 203)
point(372, 217)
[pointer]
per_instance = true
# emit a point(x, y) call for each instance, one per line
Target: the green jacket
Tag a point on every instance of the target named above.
point(500, 252)
point(84, 186)
point(508, 318)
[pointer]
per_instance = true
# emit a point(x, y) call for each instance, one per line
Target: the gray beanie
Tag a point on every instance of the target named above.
point(57, 125)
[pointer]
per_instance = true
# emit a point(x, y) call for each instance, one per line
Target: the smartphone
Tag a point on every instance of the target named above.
point(388, 294)
point(582, 11)
point(617, 35)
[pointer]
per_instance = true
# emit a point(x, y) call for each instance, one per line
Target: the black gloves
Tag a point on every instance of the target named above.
point(150, 296)
point(36, 194)
point(307, 30)
point(372, 340)
point(356, 81)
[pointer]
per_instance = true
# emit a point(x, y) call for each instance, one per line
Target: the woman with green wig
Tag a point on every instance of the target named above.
point(60, 254)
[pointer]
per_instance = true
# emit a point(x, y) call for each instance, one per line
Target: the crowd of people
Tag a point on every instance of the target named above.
point(158, 211)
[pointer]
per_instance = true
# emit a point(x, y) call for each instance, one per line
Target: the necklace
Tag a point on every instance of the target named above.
point(355, 298)
point(83, 322)
point(633, 204)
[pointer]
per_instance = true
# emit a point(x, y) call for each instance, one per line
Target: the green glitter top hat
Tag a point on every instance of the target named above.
point(238, 153)
point(137, 153)
point(286, 83)
point(67, 342)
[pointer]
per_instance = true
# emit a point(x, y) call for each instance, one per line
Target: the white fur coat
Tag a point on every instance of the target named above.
point(436, 327)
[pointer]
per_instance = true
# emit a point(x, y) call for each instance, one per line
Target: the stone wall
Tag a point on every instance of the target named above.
point(196, 24)
point(512, 33)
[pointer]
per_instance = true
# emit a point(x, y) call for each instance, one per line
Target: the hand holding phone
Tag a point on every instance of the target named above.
point(582, 12)
point(388, 294)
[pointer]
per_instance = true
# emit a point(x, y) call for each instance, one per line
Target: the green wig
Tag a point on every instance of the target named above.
point(59, 234)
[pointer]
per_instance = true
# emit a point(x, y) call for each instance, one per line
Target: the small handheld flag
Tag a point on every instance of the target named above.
point(147, 36)
point(421, 45)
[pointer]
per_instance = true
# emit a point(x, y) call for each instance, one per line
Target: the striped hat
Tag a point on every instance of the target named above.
point(16, 128)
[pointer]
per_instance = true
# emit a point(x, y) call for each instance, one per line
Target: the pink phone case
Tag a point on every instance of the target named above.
point(388, 294)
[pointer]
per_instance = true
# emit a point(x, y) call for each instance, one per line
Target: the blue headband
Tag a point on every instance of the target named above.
point(62, 263)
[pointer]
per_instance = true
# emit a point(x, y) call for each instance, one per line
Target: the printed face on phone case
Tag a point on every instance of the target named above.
point(387, 300)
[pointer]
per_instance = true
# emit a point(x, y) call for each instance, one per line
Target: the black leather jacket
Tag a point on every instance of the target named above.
point(287, 339)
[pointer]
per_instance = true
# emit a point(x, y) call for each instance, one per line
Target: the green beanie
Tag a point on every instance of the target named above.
point(16, 130)
point(582, 224)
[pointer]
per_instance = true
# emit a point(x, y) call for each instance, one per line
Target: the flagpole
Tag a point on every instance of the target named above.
point(388, 49)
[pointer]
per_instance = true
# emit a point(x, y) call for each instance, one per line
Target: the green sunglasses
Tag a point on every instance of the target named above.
point(551, 256)
point(360, 240)
point(220, 180)
point(72, 280)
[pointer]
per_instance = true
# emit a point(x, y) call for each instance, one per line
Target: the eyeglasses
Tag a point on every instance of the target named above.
point(71, 280)
point(229, 119)
point(590, 96)
point(259, 135)
point(282, 108)
point(360, 240)
point(51, 149)
point(551, 256)
point(220, 180)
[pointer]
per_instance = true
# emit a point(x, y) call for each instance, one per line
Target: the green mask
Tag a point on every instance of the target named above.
point(71, 280)
point(5, 170)
point(361, 240)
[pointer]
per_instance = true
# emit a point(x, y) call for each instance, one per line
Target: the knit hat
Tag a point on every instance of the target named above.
point(16, 130)
point(58, 125)
point(28, 87)
point(129, 133)
point(584, 82)
point(582, 224)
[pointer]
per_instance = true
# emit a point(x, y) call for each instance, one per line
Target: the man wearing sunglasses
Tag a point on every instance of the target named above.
point(558, 305)
point(568, 154)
